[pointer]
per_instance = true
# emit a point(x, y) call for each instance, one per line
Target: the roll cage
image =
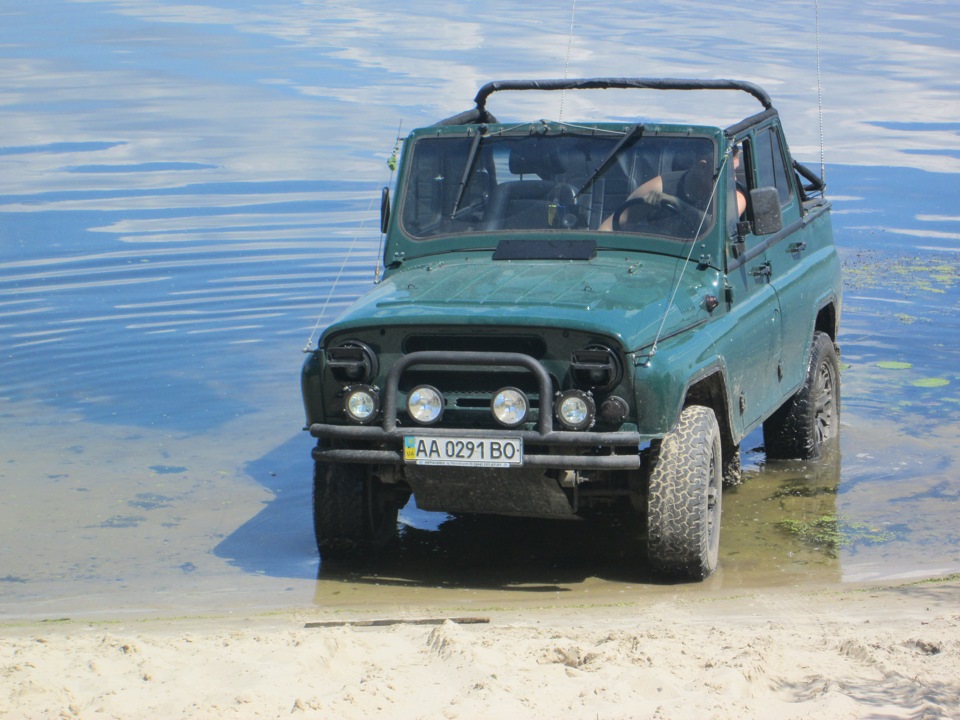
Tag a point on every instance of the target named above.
point(480, 114)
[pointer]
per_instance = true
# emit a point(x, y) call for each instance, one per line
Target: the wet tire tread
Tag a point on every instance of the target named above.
point(791, 432)
point(678, 538)
point(345, 523)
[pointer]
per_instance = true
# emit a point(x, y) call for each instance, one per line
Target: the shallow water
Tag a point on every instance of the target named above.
point(186, 189)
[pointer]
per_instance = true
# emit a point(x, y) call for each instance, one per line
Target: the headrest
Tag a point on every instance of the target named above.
point(536, 158)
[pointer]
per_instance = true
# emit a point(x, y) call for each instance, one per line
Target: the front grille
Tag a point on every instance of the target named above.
point(469, 381)
point(530, 345)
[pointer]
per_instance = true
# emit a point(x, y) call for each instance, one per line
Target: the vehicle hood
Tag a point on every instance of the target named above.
point(620, 297)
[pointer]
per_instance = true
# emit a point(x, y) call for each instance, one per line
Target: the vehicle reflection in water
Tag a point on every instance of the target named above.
point(781, 524)
point(769, 523)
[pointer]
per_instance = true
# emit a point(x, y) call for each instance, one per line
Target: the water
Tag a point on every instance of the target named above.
point(186, 189)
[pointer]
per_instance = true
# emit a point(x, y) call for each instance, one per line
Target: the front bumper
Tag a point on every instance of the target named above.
point(543, 447)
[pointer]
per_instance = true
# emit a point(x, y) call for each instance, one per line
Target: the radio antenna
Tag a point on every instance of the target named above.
point(816, 12)
point(687, 260)
point(392, 164)
point(566, 66)
point(308, 348)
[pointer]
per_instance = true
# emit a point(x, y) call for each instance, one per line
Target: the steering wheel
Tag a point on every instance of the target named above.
point(565, 194)
point(666, 208)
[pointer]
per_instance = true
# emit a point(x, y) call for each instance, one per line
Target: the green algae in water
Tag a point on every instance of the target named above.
point(930, 382)
point(902, 276)
point(894, 365)
point(803, 488)
point(830, 533)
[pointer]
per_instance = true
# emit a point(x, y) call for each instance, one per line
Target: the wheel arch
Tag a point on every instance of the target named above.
point(710, 390)
point(828, 318)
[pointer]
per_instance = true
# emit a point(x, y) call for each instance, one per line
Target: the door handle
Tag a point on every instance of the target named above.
point(763, 270)
point(797, 247)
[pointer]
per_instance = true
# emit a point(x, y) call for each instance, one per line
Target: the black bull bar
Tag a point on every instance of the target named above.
point(545, 437)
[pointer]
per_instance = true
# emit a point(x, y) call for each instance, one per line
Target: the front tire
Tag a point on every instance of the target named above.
point(354, 514)
point(684, 495)
point(811, 418)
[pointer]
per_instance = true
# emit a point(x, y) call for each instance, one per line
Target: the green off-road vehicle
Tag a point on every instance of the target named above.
point(580, 315)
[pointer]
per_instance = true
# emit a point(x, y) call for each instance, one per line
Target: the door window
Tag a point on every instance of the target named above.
point(771, 170)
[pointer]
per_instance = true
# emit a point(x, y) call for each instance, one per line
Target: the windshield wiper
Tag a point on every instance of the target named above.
point(468, 168)
point(634, 132)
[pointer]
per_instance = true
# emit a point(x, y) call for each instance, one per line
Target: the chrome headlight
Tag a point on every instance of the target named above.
point(575, 409)
point(361, 403)
point(425, 404)
point(509, 407)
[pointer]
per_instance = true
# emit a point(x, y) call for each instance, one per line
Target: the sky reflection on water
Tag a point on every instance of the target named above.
point(186, 188)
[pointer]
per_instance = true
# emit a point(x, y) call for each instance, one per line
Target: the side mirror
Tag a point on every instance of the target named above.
point(767, 217)
point(384, 210)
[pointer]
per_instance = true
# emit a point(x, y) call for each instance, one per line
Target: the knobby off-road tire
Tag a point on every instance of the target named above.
point(683, 501)
point(811, 418)
point(353, 514)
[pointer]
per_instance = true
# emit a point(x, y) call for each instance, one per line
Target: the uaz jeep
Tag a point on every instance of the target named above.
point(579, 315)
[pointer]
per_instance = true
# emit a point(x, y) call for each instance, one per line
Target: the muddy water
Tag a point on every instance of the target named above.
point(187, 189)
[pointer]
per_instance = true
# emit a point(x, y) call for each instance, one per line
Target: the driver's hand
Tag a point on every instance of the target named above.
point(657, 197)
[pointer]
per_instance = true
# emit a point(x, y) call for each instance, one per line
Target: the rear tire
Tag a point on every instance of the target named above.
point(811, 418)
point(684, 496)
point(354, 514)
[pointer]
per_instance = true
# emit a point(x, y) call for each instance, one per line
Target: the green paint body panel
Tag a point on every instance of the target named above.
point(690, 303)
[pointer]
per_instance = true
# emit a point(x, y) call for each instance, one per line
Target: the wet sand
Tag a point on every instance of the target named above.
point(851, 652)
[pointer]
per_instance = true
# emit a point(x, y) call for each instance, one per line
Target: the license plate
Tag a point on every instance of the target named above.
point(470, 452)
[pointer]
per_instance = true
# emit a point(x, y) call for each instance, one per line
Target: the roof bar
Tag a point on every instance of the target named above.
point(620, 83)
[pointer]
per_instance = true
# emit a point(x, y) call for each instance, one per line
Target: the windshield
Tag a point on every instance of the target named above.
point(625, 182)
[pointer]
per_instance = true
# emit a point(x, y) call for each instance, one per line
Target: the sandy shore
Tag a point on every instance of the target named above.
point(853, 652)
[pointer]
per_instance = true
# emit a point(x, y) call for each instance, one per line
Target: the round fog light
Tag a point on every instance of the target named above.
point(361, 403)
point(576, 410)
point(509, 407)
point(425, 404)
